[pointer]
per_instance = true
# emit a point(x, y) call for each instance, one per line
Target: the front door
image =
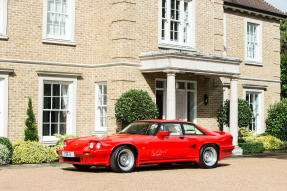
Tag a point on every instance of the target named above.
point(181, 105)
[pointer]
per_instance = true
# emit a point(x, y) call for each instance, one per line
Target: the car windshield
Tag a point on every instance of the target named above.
point(140, 128)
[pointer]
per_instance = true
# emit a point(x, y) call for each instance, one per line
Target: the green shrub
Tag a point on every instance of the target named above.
point(29, 152)
point(243, 132)
point(269, 142)
point(252, 147)
point(276, 121)
point(61, 138)
point(244, 114)
point(135, 105)
point(31, 127)
point(5, 141)
point(4, 155)
point(284, 145)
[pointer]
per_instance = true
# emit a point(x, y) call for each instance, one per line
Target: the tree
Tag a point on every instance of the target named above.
point(31, 126)
point(244, 114)
point(135, 105)
point(283, 29)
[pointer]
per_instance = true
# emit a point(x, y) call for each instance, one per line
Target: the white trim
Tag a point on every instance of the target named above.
point(190, 45)
point(71, 124)
point(70, 36)
point(258, 79)
point(260, 128)
point(3, 19)
point(41, 62)
point(97, 128)
point(259, 59)
point(4, 104)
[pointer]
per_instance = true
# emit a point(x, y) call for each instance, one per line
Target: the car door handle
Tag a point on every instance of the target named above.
point(181, 137)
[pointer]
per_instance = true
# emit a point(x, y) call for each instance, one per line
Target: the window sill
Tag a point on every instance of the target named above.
point(59, 42)
point(3, 37)
point(177, 47)
point(50, 140)
point(254, 63)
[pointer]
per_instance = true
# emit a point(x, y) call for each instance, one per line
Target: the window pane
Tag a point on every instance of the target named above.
point(47, 102)
point(54, 116)
point(190, 129)
point(51, 5)
point(56, 89)
point(46, 130)
point(180, 85)
point(190, 106)
point(47, 89)
point(63, 116)
point(56, 102)
point(63, 129)
point(159, 84)
point(46, 116)
point(58, 6)
point(160, 102)
point(65, 103)
point(54, 129)
point(190, 86)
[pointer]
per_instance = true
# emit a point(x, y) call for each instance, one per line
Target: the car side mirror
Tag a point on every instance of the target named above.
point(163, 133)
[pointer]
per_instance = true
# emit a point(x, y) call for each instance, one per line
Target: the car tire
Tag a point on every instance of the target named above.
point(81, 167)
point(123, 159)
point(208, 156)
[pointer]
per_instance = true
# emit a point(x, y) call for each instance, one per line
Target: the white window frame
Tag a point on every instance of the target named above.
point(4, 107)
point(258, 60)
point(98, 128)
point(71, 120)
point(69, 38)
point(260, 128)
point(3, 19)
point(190, 44)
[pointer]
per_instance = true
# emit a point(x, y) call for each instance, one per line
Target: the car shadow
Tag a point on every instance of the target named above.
point(282, 156)
point(147, 167)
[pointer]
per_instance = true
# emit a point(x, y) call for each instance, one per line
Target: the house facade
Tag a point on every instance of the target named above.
point(75, 58)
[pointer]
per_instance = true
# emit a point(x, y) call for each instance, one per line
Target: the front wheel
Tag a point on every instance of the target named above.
point(82, 167)
point(208, 156)
point(122, 159)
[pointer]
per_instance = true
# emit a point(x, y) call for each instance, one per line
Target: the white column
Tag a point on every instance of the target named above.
point(170, 97)
point(233, 121)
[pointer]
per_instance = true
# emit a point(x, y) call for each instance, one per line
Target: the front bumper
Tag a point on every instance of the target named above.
point(98, 157)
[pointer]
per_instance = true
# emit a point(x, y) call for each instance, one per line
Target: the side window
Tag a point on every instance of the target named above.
point(190, 129)
point(172, 128)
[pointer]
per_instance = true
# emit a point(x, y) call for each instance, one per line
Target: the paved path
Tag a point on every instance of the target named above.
point(248, 173)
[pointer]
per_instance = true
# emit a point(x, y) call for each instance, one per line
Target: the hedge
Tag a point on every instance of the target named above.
point(4, 155)
point(5, 141)
point(252, 147)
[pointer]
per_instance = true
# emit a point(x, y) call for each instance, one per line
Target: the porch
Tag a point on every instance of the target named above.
point(177, 98)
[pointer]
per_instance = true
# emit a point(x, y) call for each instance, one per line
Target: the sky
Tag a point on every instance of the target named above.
point(279, 4)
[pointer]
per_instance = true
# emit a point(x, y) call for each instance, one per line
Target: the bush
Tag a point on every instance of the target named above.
point(5, 141)
point(269, 142)
point(31, 127)
point(276, 121)
point(61, 138)
point(29, 152)
point(4, 155)
point(135, 105)
point(252, 147)
point(285, 145)
point(244, 114)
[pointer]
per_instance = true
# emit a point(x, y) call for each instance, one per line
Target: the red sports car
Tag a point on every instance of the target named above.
point(149, 141)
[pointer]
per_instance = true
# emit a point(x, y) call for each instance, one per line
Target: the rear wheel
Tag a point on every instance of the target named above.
point(82, 167)
point(208, 156)
point(123, 159)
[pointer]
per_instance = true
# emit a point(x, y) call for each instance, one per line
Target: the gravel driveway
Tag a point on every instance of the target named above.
point(247, 173)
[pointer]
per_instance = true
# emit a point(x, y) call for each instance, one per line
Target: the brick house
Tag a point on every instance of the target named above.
point(75, 58)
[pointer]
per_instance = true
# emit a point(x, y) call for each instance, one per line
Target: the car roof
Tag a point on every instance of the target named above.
point(164, 121)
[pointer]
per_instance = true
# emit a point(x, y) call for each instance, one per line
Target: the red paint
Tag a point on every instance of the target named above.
point(150, 149)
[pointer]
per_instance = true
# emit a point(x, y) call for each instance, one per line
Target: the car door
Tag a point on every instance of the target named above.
point(194, 136)
point(168, 147)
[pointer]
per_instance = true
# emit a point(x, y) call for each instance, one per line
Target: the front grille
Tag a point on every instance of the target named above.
point(72, 159)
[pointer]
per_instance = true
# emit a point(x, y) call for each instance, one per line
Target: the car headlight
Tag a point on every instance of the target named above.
point(92, 144)
point(98, 146)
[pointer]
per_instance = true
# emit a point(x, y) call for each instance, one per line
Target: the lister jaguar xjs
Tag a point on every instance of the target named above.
point(149, 141)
